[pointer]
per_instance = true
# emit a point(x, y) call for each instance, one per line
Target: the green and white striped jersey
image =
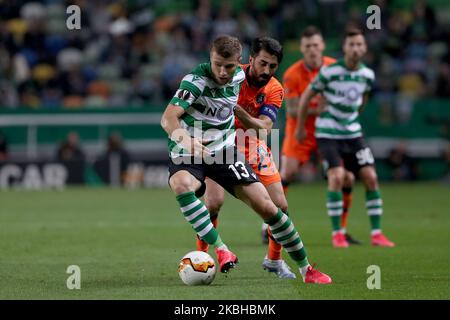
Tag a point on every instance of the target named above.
point(344, 90)
point(209, 108)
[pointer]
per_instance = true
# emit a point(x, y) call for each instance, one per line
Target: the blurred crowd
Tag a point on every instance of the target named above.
point(124, 53)
point(411, 58)
point(130, 53)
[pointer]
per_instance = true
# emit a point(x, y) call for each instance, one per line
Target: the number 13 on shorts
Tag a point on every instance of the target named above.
point(239, 170)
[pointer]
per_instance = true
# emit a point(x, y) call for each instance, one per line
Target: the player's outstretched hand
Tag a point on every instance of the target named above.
point(237, 110)
point(198, 148)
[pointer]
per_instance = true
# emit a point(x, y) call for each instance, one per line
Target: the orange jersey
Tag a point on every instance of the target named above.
point(252, 99)
point(256, 101)
point(297, 78)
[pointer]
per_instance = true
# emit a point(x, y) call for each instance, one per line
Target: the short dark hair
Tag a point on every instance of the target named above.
point(311, 31)
point(268, 44)
point(227, 46)
point(353, 31)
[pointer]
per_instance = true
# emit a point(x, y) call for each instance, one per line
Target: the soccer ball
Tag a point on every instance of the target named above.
point(197, 268)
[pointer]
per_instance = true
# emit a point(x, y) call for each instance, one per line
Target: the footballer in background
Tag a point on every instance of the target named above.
point(345, 85)
point(295, 80)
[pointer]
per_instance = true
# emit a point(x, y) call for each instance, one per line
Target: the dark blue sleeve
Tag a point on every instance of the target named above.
point(269, 110)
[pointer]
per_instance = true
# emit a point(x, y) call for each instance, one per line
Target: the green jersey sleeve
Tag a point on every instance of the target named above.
point(191, 87)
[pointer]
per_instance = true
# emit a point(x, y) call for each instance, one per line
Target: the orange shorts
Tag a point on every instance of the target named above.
point(294, 149)
point(260, 158)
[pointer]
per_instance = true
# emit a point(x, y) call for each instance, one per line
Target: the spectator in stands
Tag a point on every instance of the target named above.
point(69, 149)
point(127, 51)
point(424, 25)
point(116, 146)
point(403, 166)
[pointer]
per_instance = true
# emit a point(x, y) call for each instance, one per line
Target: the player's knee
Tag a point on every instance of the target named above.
point(336, 183)
point(336, 179)
point(180, 185)
point(181, 188)
point(349, 179)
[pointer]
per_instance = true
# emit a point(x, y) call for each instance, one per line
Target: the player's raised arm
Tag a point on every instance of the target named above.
point(292, 106)
point(366, 95)
point(292, 96)
point(170, 122)
point(302, 112)
point(317, 86)
point(364, 102)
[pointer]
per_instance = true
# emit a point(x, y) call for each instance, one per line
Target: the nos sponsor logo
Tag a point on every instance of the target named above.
point(222, 113)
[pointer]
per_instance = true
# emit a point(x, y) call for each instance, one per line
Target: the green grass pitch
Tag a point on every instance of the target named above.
point(128, 244)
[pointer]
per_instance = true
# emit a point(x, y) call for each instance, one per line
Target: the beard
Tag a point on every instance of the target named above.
point(261, 80)
point(258, 80)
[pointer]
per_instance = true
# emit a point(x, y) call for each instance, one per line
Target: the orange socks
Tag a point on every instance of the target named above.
point(347, 203)
point(274, 248)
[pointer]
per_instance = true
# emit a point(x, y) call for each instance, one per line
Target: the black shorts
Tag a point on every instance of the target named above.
point(352, 154)
point(230, 171)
